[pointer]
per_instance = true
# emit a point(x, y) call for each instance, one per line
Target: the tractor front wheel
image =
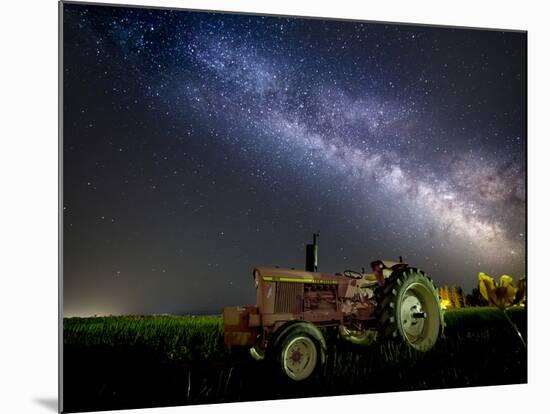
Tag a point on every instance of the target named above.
point(299, 357)
point(300, 351)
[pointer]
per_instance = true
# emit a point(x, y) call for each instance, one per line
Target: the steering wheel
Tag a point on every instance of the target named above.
point(352, 274)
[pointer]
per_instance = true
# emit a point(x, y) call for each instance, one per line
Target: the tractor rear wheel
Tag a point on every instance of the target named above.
point(409, 309)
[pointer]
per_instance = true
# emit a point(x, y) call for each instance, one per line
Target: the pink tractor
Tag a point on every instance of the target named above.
point(396, 302)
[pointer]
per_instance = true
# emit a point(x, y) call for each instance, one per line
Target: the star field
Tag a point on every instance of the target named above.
point(200, 145)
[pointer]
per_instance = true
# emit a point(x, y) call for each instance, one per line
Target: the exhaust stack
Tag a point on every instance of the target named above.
point(312, 252)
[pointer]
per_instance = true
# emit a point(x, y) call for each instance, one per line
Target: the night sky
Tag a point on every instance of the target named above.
point(199, 145)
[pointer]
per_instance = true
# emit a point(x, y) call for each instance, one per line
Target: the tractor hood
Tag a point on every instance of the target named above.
point(292, 275)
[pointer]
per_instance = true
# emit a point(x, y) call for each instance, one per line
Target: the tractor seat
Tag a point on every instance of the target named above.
point(369, 279)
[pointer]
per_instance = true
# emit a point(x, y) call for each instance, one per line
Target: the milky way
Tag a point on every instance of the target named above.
point(248, 133)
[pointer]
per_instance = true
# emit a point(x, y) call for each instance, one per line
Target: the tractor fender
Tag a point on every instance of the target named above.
point(384, 268)
point(387, 264)
point(307, 327)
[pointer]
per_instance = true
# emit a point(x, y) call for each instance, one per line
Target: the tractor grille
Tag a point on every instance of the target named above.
point(288, 297)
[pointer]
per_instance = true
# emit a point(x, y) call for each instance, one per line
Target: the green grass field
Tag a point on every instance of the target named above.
point(132, 361)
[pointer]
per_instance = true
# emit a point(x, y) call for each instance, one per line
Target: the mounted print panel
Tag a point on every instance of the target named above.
point(264, 207)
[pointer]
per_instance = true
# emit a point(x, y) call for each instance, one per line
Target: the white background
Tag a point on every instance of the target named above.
point(28, 203)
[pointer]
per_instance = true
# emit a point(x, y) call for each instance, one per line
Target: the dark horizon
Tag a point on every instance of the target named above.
point(199, 145)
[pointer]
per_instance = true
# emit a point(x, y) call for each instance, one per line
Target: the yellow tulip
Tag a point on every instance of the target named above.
point(501, 294)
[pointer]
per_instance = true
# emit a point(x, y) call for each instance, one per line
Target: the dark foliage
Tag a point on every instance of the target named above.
point(118, 363)
point(475, 299)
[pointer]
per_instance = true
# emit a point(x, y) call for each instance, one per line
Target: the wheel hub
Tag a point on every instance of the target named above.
point(412, 317)
point(296, 356)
